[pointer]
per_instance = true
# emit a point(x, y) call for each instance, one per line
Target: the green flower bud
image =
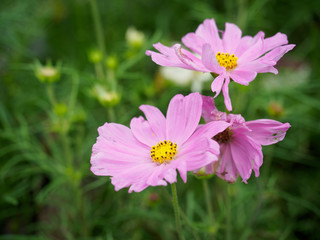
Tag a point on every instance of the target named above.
point(111, 62)
point(95, 56)
point(60, 109)
point(105, 97)
point(48, 73)
point(135, 38)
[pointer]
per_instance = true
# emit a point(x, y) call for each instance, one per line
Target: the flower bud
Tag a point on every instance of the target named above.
point(111, 62)
point(275, 110)
point(48, 73)
point(95, 56)
point(60, 109)
point(105, 97)
point(135, 38)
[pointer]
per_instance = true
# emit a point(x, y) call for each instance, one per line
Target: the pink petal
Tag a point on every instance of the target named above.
point(277, 53)
point(189, 59)
point(209, 59)
point(183, 116)
point(166, 57)
point(225, 91)
point(116, 132)
point(259, 66)
point(194, 42)
point(227, 169)
point(142, 130)
point(156, 120)
point(196, 154)
point(116, 152)
point(155, 177)
point(207, 108)
point(119, 137)
point(243, 157)
point(216, 84)
point(275, 41)
point(210, 129)
point(208, 30)
point(192, 109)
point(170, 175)
point(258, 156)
point(243, 77)
point(266, 132)
point(175, 119)
point(182, 168)
point(231, 38)
point(259, 35)
point(255, 51)
point(137, 187)
point(246, 42)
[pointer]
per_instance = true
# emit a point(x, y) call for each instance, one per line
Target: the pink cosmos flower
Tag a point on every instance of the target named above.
point(231, 57)
point(151, 151)
point(240, 144)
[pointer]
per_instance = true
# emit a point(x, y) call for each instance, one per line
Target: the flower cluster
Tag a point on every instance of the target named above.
point(155, 148)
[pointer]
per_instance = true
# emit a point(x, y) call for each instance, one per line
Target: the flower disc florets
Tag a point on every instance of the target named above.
point(164, 151)
point(226, 60)
point(223, 137)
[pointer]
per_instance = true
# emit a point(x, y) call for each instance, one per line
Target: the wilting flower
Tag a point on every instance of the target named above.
point(240, 144)
point(231, 57)
point(151, 151)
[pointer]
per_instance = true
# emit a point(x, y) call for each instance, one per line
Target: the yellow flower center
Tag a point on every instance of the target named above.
point(164, 151)
point(226, 60)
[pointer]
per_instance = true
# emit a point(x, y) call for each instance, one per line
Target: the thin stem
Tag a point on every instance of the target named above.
point(67, 149)
point(228, 214)
point(99, 71)
point(112, 116)
point(208, 200)
point(51, 96)
point(101, 44)
point(186, 220)
point(97, 26)
point(176, 210)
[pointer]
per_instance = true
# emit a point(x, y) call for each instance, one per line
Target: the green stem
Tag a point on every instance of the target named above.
point(242, 14)
point(67, 149)
point(228, 214)
point(51, 96)
point(99, 71)
point(111, 114)
point(186, 220)
point(101, 43)
point(208, 200)
point(176, 210)
point(97, 26)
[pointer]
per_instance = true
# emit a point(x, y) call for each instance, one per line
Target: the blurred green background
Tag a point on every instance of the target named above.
point(67, 67)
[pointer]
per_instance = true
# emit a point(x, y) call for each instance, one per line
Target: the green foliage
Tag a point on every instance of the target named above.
point(48, 127)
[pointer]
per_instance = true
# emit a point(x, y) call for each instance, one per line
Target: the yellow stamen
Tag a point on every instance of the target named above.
point(163, 152)
point(226, 60)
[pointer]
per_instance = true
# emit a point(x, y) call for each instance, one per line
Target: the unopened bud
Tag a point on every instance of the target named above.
point(105, 97)
point(60, 109)
point(134, 37)
point(48, 73)
point(275, 110)
point(95, 56)
point(111, 62)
